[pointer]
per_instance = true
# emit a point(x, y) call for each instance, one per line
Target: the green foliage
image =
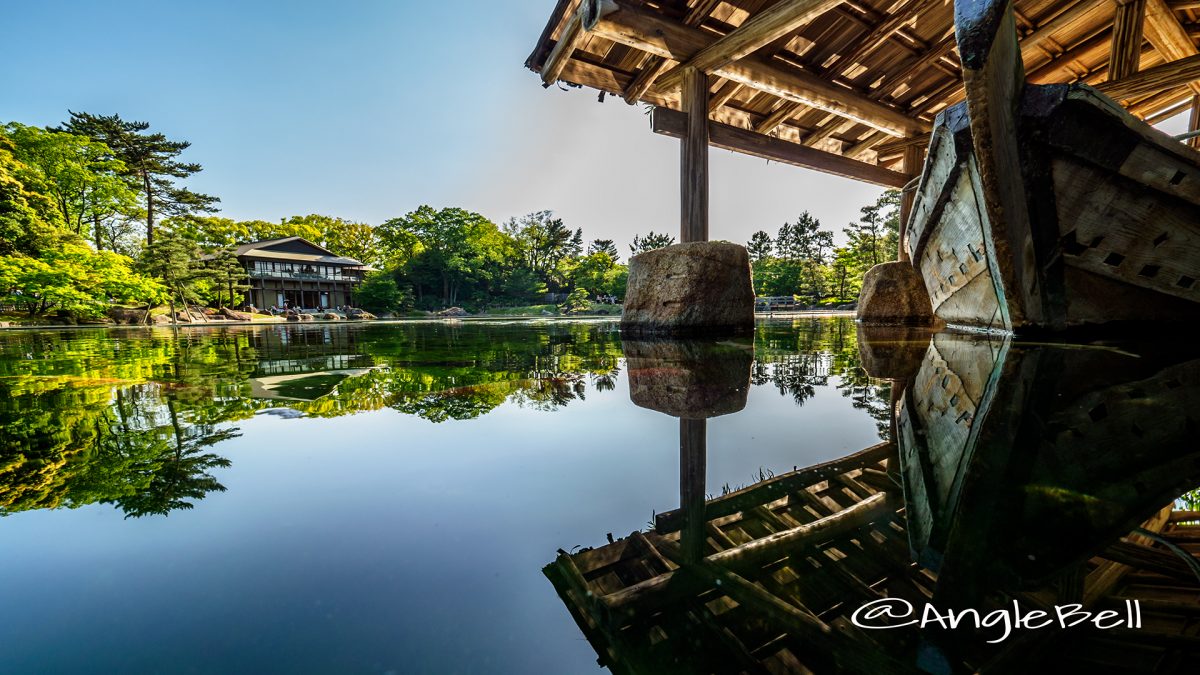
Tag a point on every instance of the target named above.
point(150, 159)
point(577, 302)
point(801, 261)
point(454, 256)
point(88, 186)
point(75, 279)
point(650, 242)
point(760, 246)
point(178, 263)
point(605, 246)
point(380, 293)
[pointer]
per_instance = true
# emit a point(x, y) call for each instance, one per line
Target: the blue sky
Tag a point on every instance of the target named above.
point(366, 109)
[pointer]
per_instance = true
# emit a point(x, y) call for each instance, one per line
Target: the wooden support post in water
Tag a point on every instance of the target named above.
point(693, 458)
point(1126, 52)
point(911, 163)
point(694, 163)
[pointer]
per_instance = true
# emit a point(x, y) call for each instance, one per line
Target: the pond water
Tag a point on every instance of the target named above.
point(369, 498)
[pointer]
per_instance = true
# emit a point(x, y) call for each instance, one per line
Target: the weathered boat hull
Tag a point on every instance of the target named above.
point(1112, 231)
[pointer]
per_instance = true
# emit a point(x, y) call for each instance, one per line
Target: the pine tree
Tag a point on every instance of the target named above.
point(151, 159)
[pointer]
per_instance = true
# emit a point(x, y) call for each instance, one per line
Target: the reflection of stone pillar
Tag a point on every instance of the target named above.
point(692, 380)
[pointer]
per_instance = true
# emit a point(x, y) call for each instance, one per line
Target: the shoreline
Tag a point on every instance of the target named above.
point(815, 313)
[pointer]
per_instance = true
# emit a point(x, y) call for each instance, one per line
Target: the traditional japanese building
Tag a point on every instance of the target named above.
point(298, 273)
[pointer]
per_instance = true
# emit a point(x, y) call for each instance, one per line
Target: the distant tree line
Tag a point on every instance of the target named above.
point(96, 211)
point(802, 260)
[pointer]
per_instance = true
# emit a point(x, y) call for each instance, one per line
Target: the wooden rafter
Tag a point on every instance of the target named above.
point(762, 29)
point(653, 34)
point(672, 123)
point(1168, 36)
point(655, 65)
point(1165, 77)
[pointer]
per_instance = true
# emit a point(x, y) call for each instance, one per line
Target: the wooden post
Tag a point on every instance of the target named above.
point(1126, 52)
point(693, 458)
point(694, 168)
point(911, 164)
point(1194, 121)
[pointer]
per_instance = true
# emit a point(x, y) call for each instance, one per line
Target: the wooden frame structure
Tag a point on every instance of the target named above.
point(847, 87)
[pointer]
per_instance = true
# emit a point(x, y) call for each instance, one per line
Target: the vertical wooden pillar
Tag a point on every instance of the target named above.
point(693, 459)
point(1194, 122)
point(1126, 53)
point(911, 164)
point(694, 162)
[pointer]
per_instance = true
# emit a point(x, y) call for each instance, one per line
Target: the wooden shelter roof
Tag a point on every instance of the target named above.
point(841, 86)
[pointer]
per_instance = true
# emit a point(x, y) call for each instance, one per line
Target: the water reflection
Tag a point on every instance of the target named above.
point(136, 418)
point(1026, 476)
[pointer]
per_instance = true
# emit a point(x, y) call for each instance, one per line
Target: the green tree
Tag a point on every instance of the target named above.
point(178, 263)
point(760, 247)
point(605, 246)
point(379, 293)
point(458, 251)
point(75, 279)
point(81, 176)
point(546, 246)
point(650, 242)
point(152, 159)
point(229, 278)
point(874, 238)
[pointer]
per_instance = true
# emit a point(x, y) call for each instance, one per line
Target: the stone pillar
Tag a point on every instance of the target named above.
point(699, 288)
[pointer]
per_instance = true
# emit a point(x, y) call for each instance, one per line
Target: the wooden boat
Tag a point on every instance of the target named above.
point(1048, 207)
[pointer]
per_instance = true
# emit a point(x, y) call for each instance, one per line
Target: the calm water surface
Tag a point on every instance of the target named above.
point(362, 498)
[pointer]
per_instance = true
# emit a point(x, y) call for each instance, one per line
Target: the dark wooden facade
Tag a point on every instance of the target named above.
point(299, 273)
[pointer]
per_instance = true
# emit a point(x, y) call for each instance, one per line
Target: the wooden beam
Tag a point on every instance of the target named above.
point(1126, 53)
point(669, 40)
point(1194, 121)
point(879, 35)
point(912, 162)
point(726, 93)
point(671, 123)
point(1151, 81)
point(782, 114)
point(693, 458)
point(571, 36)
point(762, 29)
point(562, 12)
point(656, 66)
point(1168, 36)
point(694, 159)
point(1059, 22)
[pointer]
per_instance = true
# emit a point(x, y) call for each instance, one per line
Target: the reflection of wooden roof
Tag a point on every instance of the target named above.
point(787, 562)
point(839, 80)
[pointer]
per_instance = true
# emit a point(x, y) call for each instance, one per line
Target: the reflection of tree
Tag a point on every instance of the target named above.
point(813, 353)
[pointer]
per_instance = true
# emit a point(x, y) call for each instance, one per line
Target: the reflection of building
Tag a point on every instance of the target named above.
point(299, 273)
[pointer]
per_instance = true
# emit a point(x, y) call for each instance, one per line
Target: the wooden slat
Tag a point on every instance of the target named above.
point(779, 486)
point(762, 29)
point(879, 35)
